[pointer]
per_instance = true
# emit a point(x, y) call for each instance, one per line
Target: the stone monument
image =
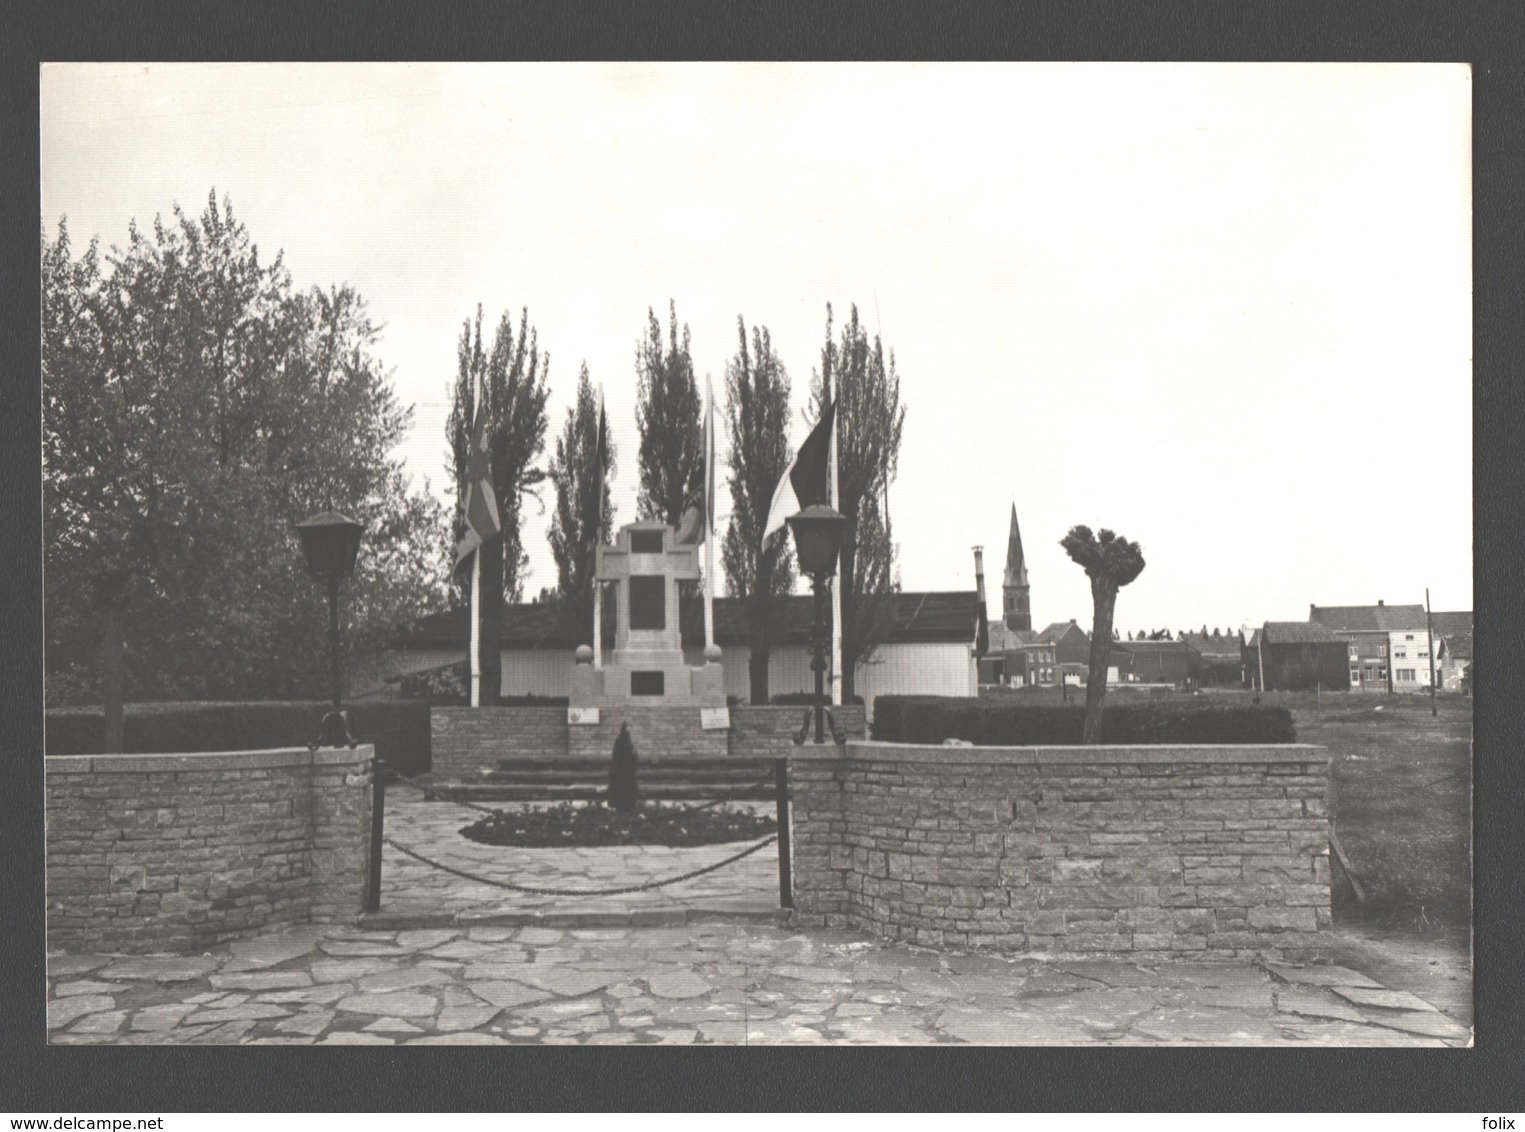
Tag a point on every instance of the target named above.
point(647, 668)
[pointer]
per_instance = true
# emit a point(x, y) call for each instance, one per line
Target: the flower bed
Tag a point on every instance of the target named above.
point(592, 824)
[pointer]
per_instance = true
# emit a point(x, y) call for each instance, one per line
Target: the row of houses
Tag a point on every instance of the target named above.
point(1364, 648)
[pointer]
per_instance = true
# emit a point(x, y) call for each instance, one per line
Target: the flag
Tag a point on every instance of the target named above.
point(699, 520)
point(804, 481)
point(482, 521)
point(600, 455)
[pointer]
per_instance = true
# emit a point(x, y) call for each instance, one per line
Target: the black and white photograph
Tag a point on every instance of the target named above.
point(768, 554)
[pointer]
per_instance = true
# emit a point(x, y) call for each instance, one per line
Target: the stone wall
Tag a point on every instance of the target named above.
point(659, 733)
point(174, 852)
point(1219, 850)
point(465, 741)
point(768, 732)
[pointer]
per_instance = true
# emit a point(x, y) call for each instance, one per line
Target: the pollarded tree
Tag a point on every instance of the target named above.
point(870, 420)
point(667, 417)
point(1111, 562)
point(583, 509)
point(757, 419)
point(513, 380)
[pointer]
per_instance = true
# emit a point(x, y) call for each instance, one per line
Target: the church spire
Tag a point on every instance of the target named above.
point(1014, 588)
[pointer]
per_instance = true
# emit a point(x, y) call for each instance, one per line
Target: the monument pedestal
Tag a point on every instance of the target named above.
point(646, 683)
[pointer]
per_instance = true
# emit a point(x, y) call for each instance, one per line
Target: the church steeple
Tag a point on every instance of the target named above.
point(1014, 588)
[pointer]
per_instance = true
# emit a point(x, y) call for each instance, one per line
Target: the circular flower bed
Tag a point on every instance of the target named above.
point(592, 824)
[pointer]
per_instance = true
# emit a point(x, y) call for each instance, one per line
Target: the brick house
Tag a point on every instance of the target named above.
point(1453, 648)
point(1372, 633)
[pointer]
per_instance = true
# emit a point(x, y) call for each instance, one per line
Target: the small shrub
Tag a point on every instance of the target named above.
point(624, 794)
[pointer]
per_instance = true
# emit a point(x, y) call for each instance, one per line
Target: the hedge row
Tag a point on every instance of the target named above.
point(993, 723)
point(806, 699)
point(399, 729)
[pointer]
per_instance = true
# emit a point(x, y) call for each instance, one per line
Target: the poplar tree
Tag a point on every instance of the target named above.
point(757, 422)
point(513, 381)
point(870, 423)
point(579, 517)
point(667, 415)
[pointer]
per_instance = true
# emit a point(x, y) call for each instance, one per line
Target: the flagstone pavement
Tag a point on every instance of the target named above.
point(455, 962)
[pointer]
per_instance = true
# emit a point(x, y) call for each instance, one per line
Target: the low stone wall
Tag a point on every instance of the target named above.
point(174, 852)
point(464, 741)
point(1199, 849)
point(659, 733)
point(767, 732)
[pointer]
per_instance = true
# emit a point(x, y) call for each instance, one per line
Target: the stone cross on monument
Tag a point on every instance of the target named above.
point(647, 666)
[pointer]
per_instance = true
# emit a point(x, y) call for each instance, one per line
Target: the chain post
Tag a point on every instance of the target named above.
point(781, 796)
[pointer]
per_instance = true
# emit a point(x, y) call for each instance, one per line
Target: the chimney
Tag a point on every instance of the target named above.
point(979, 574)
point(1379, 601)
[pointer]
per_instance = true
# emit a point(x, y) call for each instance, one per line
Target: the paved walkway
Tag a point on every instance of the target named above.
point(416, 894)
point(455, 961)
point(728, 982)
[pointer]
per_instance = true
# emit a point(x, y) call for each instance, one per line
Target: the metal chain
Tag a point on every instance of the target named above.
point(747, 852)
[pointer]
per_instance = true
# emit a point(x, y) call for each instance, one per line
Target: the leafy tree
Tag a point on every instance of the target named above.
point(870, 420)
point(513, 379)
point(579, 517)
point(1110, 562)
point(195, 406)
point(757, 418)
point(667, 417)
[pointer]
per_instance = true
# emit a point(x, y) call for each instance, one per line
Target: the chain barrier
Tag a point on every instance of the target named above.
point(535, 891)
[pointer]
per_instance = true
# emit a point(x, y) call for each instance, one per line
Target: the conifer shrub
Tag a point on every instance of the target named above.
point(624, 793)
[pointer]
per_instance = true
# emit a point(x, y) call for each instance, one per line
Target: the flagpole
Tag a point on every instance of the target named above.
point(709, 511)
point(836, 583)
point(476, 576)
point(476, 627)
point(598, 510)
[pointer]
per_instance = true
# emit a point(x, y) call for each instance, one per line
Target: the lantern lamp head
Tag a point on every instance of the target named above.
point(818, 539)
point(330, 542)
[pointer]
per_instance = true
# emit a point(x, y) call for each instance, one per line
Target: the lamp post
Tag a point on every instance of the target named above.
point(817, 542)
point(330, 542)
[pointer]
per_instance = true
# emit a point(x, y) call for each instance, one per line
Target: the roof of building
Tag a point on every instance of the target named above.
point(1055, 632)
point(1003, 637)
point(1459, 646)
point(1158, 646)
point(1298, 633)
point(929, 617)
point(1209, 645)
point(1449, 624)
point(1379, 618)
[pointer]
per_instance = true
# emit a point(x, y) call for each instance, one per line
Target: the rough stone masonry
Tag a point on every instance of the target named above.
point(168, 852)
point(1189, 849)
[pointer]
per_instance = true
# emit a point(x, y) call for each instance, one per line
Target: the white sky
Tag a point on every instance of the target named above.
point(1222, 309)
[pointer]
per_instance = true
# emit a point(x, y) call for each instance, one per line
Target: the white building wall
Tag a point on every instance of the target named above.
point(929, 669)
point(1408, 656)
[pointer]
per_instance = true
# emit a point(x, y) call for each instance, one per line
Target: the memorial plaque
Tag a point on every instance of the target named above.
point(582, 716)
point(714, 719)
point(648, 601)
point(645, 542)
point(646, 683)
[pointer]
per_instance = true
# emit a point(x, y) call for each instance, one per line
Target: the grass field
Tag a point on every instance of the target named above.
point(1400, 797)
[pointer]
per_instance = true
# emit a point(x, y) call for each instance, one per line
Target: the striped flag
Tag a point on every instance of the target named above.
point(482, 522)
point(804, 481)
